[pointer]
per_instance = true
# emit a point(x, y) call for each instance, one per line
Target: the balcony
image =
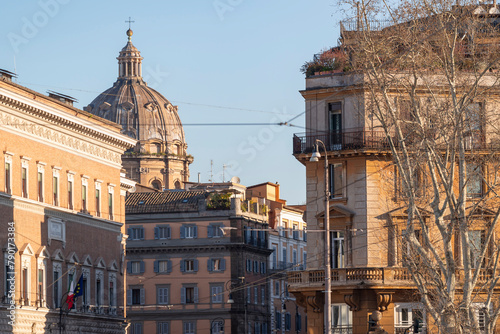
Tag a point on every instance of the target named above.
point(369, 276)
point(351, 276)
point(359, 139)
point(340, 141)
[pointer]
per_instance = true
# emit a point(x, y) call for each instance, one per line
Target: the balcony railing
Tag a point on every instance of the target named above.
point(344, 276)
point(341, 330)
point(339, 141)
point(358, 139)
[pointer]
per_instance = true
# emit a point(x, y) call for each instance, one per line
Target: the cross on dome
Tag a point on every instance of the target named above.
point(129, 31)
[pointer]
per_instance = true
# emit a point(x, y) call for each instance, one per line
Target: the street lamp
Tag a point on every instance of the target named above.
point(328, 284)
point(219, 324)
point(284, 298)
point(230, 286)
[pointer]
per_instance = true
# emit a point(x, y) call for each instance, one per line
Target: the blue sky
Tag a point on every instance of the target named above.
point(220, 61)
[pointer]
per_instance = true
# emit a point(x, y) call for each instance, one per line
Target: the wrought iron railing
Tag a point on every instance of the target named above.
point(358, 139)
point(339, 141)
point(341, 330)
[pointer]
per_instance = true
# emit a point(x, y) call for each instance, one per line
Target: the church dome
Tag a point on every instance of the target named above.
point(143, 113)
point(159, 159)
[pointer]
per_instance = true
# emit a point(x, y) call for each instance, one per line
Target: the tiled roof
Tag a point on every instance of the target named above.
point(166, 201)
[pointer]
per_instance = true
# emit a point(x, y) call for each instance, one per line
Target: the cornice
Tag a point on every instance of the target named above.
point(197, 249)
point(66, 122)
point(48, 210)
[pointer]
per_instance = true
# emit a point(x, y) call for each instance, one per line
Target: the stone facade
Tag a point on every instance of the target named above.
point(62, 199)
point(193, 266)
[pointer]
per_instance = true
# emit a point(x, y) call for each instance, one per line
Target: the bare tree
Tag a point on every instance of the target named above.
point(430, 76)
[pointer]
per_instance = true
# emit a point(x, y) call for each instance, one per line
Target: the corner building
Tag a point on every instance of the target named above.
point(197, 262)
point(62, 194)
point(368, 211)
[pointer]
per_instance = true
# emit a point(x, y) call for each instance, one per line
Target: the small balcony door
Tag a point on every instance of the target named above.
point(337, 249)
point(335, 125)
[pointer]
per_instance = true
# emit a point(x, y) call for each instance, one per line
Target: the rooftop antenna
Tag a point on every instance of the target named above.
point(224, 166)
point(211, 171)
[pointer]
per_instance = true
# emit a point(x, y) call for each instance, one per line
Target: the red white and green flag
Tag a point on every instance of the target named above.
point(74, 291)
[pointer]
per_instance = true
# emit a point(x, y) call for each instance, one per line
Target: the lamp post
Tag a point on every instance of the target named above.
point(230, 286)
point(328, 284)
point(283, 299)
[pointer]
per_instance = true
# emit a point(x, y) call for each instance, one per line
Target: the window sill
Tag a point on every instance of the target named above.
point(338, 200)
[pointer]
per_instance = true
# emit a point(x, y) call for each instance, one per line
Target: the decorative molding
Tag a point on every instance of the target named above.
point(384, 299)
point(48, 135)
point(315, 302)
point(352, 300)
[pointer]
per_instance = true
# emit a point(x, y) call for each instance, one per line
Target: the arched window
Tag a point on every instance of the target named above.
point(156, 184)
point(177, 185)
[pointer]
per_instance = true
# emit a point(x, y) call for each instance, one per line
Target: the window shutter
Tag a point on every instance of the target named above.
point(129, 232)
point(156, 269)
point(196, 294)
point(195, 262)
point(159, 296)
point(264, 328)
point(143, 296)
point(305, 235)
point(183, 295)
point(142, 233)
point(129, 297)
point(169, 266)
point(195, 232)
point(183, 266)
point(210, 265)
point(129, 267)
point(183, 232)
point(168, 232)
point(223, 264)
point(299, 322)
point(157, 232)
point(143, 267)
point(210, 231)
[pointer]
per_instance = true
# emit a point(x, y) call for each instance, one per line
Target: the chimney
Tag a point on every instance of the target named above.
point(62, 98)
point(7, 75)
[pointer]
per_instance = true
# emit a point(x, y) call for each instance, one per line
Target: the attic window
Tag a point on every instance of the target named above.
point(141, 202)
point(184, 201)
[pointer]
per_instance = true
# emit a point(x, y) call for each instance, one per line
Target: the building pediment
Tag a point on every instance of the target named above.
point(337, 211)
point(58, 255)
point(26, 250)
point(42, 253)
point(99, 263)
point(402, 212)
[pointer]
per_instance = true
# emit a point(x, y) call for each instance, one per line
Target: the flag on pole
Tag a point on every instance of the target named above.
point(74, 291)
point(78, 291)
point(70, 299)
